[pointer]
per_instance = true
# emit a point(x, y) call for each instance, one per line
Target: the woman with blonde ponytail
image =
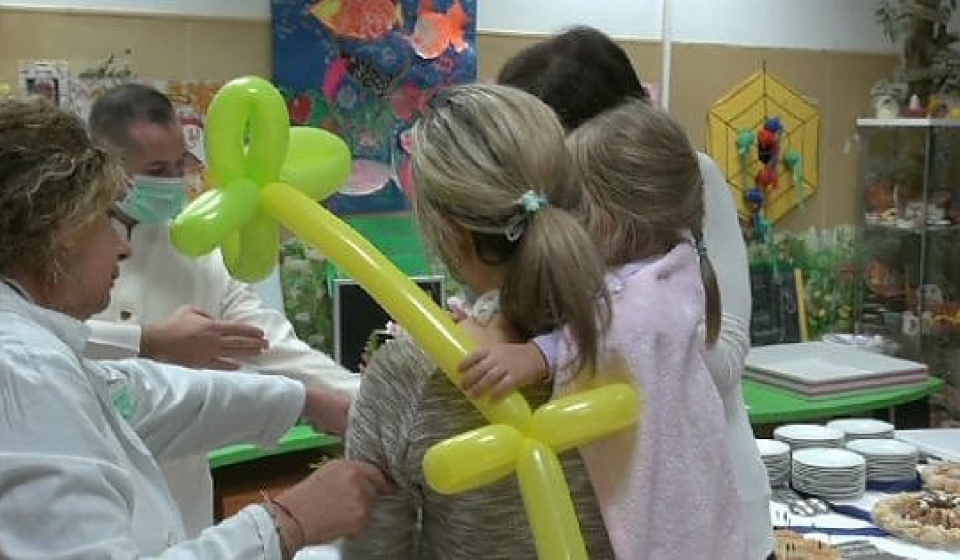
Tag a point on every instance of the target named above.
point(496, 202)
point(667, 490)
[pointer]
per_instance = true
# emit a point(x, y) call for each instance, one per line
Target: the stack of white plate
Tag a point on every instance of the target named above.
point(776, 457)
point(888, 460)
point(862, 428)
point(834, 474)
point(804, 436)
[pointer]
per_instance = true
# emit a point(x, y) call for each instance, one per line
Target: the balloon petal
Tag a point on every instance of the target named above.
point(583, 417)
point(546, 497)
point(472, 459)
point(317, 163)
point(253, 105)
point(213, 216)
point(259, 249)
point(269, 132)
point(230, 250)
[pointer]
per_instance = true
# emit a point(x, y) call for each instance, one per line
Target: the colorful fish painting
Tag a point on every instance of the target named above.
point(410, 101)
point(366, 70)
point(366, 73)
point(367, 177)
point(366, 20)
point(300, 108)
point(370, 77)
point(434, 31)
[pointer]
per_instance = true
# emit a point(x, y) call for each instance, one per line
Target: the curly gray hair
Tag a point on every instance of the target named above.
point(54, 180)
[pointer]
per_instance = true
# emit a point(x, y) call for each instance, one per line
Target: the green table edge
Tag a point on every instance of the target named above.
point(298, 438)
point(791, 407)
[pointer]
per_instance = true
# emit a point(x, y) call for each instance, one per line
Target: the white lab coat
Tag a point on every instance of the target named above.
point(154, 282)
point(78, 478)
point(725, 359)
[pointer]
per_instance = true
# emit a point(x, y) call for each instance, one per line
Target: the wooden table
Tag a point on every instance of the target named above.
point(241, 472)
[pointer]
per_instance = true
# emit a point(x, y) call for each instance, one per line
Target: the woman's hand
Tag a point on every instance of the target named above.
point(333, 502)
point(192, 338)
point(326, 411)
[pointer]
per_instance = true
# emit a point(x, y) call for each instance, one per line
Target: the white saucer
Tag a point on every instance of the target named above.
point(853, 427)
point(807, 432)
point(883, 447)
point(768, 447)
point(824, 458)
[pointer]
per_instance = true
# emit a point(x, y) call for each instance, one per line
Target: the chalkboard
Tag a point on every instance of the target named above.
point(356, 316)
point(775, 317)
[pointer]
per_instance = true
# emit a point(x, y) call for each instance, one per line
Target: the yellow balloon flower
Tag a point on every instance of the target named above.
point(265, 173)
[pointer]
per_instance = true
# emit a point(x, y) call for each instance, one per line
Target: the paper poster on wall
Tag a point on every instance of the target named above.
point(95, 78)
point(49, 79)
point(190, 100)
point(365, 69)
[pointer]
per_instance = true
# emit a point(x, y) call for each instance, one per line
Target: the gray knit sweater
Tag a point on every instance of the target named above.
point(404, 406)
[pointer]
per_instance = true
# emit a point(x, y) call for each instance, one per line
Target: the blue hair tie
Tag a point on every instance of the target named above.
point(701, 248)
point(532, 202)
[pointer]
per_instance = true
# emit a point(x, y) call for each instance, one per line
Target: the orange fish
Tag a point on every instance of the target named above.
point(435, 31)
point(367, 20)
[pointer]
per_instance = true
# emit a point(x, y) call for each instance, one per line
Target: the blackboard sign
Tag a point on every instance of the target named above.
point(356, 316)
point(775, 318)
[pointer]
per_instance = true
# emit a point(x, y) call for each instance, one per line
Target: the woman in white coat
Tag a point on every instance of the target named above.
point(79, 439)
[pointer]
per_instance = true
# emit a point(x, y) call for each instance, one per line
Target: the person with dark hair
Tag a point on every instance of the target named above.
point(187, 311)
point(582, 73)
point(80, 438)
point(579, 73)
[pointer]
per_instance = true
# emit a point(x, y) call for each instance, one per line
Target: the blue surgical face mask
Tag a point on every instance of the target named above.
point(153, 200)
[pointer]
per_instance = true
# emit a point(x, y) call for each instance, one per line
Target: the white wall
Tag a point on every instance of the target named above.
point(246, 9)
point(805, 24)
point(620, 18)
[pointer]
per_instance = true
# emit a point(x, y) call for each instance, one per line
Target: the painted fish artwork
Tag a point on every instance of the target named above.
point(366, 70)
point(435, 31)
point(365, 20)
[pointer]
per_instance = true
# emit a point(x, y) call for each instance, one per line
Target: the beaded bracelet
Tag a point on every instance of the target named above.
point(286, 511)
point(285, 553)
point(288, 548)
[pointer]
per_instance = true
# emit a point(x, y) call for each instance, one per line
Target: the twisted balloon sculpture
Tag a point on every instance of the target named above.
point(267, 173)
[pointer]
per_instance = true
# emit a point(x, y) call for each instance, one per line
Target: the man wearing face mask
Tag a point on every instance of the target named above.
point(186, 311)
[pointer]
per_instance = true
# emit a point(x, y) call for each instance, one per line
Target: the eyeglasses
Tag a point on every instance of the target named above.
point(122, 223)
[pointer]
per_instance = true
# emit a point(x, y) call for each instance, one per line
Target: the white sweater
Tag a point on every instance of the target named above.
point(725, 359)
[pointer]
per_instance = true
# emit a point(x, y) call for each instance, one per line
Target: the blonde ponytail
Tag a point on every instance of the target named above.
point(491, 160)
point(555, 281)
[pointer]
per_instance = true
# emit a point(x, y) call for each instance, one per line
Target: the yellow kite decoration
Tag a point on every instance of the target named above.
point(765, 136)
